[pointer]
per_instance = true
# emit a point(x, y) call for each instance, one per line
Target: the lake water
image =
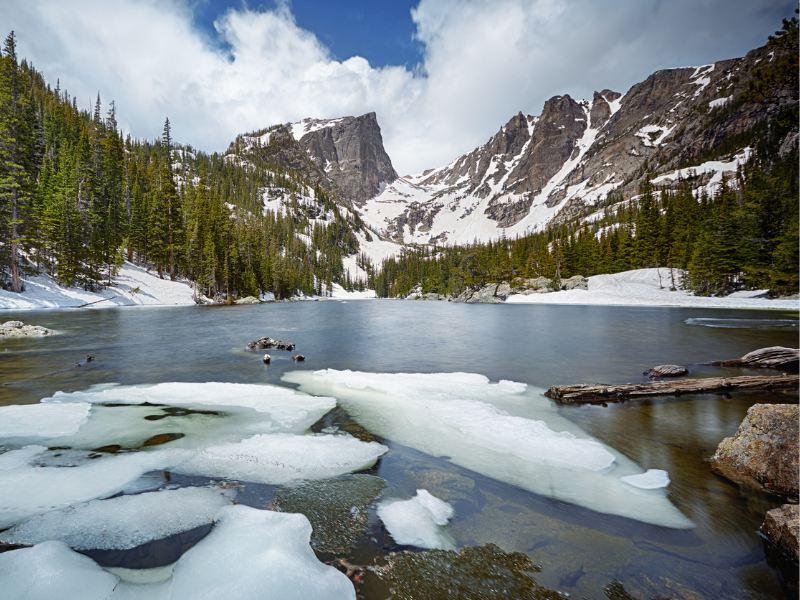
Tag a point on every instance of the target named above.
point(581, 551)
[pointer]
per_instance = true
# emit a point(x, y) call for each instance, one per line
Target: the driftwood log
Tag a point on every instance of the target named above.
point(598, 392)
point(776, 357)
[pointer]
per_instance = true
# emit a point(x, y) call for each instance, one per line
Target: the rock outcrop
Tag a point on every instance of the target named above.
point(493, 293)
point(350, 151)
point(11, 329)
point(576, 282)
point(775, 357)
point(782, 527)
point(764, 452)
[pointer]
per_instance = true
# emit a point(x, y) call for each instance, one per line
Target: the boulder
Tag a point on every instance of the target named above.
point(576, 282)
point(763, 453)
point(19, 329)
point(782, 527)
point(248, 300)
point(266, 342)
point(491, 293)
point(666, 371)
point(774, 357)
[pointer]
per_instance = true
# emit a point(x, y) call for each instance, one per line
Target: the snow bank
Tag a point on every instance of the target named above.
point(339, 293)
point(123, 522)
point(419, 521)
point(467, 419)
point(43, 480)
point(132, 286)
point(642, 287)
point(42, 420)
point(281, 458)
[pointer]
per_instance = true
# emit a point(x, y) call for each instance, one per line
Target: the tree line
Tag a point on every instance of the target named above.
point(77, 199)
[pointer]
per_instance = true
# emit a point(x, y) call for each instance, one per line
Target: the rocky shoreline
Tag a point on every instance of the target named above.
point(11, 329)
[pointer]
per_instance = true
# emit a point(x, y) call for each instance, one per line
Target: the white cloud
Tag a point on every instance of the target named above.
point(484, 60)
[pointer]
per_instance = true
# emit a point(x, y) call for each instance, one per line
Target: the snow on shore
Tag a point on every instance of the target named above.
point(44, 292)
point(642, 288)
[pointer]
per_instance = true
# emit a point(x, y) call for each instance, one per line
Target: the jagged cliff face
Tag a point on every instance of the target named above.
point(552, 167)
point(350, 152)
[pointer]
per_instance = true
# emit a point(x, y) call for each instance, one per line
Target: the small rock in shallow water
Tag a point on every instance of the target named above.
point(666, 371)
point(782, 527)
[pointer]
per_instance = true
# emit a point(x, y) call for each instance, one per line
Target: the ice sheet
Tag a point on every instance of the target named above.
point(123, 522)
point(261, 554)
point(652, 479)
point(51, 570)
point(280, 458)
point(499, 430)
point(42, 420)
point(418, 521)
point(44, 480)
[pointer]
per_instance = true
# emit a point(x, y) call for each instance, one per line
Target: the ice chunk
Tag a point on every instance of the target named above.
point(262, 554)
point(51, 570)
point(281, 457)
point(123, 522)
point(42, 420)
point(418, 522)
point(503, 430)
point(287, 408)
point(652, 479)
point(40, 480)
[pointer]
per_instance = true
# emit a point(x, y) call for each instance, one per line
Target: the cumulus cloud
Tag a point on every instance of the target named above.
point(484, 60)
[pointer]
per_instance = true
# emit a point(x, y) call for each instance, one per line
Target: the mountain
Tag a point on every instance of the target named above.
point(565, 166)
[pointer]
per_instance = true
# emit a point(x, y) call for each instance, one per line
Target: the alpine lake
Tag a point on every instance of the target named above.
point(581, 552)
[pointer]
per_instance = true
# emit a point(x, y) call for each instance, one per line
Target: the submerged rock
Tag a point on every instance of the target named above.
point(782, 527)
point(484, 572)
point(265, 343)
point(666, 371)
point(19, 329)
point(337, 509)
point(764, 452)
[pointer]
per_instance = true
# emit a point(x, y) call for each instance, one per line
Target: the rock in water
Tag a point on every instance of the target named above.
point(775, 357)
point(782, 527)
point(763, 453)
point(19, 329)
point(265, 343)
point(248, 300)
point(666, 371)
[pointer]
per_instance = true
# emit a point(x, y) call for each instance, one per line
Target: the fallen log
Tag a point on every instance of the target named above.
point(775, 357)
point(598, 392)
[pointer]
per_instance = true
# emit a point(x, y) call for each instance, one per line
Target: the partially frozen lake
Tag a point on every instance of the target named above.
point(162, 443)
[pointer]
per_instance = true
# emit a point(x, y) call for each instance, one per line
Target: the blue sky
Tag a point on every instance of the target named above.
point(442, 75)
point(381, 31)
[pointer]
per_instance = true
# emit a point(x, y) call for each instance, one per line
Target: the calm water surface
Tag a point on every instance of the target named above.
point(580, 551)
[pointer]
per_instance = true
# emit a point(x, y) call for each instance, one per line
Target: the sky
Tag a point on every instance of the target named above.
point(442, 75)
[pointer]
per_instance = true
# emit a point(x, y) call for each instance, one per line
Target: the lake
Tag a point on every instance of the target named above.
point(582, 545)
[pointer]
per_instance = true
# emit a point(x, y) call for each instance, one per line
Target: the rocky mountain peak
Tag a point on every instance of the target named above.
point(350, 151)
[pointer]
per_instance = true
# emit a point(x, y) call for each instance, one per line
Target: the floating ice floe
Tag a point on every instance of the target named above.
point(225, 412)
point(419, 521)
point(501, 430)
point(652, 479)
point(37, 480)
point(280, 458)
point(123, 522)
point(250, 553)
point(52, 570)
point(42, 420)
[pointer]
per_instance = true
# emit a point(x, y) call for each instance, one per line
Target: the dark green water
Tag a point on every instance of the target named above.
point(580, 551)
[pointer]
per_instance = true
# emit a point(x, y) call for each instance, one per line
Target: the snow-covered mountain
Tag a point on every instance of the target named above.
point(686, 123)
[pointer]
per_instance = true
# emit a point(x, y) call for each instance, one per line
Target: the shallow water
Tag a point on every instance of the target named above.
point(580, 551)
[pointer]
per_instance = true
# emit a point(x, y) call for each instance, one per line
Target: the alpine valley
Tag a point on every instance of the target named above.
point(694, 168)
